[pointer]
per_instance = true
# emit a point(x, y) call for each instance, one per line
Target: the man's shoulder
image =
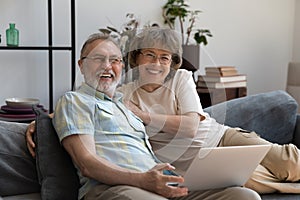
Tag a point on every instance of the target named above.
point(75, 97)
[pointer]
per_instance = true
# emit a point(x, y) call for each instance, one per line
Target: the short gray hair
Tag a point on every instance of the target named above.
point(94, 37)
point(159, 38)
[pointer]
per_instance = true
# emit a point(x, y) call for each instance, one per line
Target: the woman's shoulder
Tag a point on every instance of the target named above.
point(182, 75)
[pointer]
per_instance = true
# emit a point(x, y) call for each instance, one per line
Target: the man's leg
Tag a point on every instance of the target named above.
point(121, 192)
point(230, 193)
point(105, 192)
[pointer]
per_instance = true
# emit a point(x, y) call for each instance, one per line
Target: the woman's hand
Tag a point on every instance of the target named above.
point(143, 115)
point(134, 108)
point(29, 138)
point(185, 125)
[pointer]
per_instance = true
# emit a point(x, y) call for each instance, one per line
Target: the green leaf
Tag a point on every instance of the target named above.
point(200, 38)
point(105, 31)
point(112, 29)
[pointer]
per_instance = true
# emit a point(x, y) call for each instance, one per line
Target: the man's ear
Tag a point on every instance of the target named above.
point(80, 64)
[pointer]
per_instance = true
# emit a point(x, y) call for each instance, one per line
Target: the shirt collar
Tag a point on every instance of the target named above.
point(85, 88)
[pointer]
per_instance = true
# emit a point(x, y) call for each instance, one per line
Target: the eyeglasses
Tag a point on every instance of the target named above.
point(101, 60)
point(151, 57)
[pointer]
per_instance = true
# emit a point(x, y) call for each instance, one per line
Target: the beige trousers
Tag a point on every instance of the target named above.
point(280, 168)
point(123, 192)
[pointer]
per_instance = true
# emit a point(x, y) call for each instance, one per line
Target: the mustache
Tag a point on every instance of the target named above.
point(101, 72)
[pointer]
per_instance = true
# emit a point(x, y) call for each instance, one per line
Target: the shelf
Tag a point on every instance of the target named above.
point(50, 48)
point(36, 48)
point(211, 96)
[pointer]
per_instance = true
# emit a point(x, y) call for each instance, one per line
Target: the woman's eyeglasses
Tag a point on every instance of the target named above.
point(151, 57)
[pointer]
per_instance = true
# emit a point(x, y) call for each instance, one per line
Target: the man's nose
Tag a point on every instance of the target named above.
point(106, 64)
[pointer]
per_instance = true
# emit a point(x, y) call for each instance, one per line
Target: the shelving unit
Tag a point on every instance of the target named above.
point(50, 48)
point(209, 97)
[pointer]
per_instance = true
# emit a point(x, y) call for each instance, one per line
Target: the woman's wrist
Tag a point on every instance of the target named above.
point(145, 116)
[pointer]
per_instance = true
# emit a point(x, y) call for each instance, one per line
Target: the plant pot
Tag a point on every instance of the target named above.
point(191, 57)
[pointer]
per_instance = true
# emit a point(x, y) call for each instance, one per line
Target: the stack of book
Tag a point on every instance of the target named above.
point(221, 77)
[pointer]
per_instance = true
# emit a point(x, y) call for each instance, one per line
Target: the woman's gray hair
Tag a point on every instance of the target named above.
point(159, 38)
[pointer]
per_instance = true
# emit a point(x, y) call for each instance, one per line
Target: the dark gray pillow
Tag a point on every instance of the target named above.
point(56, 172)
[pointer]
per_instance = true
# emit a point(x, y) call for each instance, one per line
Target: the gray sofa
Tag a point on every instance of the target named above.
point(262, 113)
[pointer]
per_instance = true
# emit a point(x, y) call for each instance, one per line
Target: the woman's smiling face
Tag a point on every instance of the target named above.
point(154, 66)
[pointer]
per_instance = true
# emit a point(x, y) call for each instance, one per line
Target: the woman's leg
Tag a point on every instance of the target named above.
point(281, 160)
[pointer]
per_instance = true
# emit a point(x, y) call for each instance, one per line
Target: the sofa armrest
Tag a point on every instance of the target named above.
point(17, 167)
point(272, 115)
point(296, 139)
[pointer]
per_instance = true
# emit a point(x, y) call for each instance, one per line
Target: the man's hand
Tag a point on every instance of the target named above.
point(29, 138)
point(155, 181)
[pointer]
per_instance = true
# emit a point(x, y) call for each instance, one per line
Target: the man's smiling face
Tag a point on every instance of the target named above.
point(101, 66)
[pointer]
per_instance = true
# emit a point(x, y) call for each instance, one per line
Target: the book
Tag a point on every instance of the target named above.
point(220, 68)
point(222, 73)
point(217, 85)
point(223, 79)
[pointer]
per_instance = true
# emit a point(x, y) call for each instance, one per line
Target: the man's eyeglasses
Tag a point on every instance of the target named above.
point(151, 57)
point(101, 60)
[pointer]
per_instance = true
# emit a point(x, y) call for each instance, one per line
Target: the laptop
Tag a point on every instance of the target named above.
point(221, 167)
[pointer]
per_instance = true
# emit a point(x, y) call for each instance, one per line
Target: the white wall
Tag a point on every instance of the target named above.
point(256, 36)
point(296, 49)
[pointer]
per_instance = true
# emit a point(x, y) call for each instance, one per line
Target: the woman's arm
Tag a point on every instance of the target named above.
point(184, 125)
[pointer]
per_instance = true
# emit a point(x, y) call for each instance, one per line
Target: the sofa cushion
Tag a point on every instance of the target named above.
point(30, 196)
point(272, 115)
point(17, 166)
point(56, 172)
point(280, 196)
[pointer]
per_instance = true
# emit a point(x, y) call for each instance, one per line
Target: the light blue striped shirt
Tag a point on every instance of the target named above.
point(119, 135)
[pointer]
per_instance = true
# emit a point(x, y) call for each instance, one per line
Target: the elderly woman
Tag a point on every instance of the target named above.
point(165, 98)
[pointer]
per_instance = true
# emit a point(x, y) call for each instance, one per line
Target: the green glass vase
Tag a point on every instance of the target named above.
point(12, 35)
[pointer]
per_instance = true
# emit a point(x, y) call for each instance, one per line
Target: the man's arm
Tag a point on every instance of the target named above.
point(82, 150)
point(29, 136)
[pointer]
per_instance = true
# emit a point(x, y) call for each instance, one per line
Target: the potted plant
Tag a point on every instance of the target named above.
point(179, 11)
point(126, 33)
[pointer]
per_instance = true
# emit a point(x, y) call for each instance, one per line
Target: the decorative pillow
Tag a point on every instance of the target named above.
point(56, 172)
